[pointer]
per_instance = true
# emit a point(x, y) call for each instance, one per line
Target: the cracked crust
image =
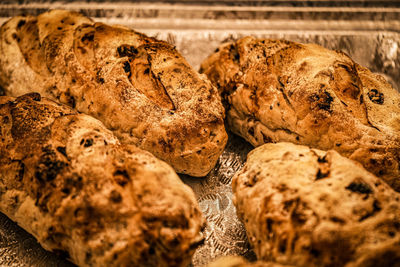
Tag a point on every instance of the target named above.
point(67, 180)
point(277, 90)
point(308, 207)
point(140, 88)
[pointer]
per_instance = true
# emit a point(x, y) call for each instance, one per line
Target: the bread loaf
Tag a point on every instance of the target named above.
point(277, 90)
point(140, 88)
point(308, 207)
point(67, 180)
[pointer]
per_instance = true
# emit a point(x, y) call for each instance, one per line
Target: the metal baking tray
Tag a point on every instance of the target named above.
point(369, 31)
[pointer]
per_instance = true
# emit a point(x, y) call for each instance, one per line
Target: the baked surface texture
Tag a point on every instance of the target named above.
point(277, 91)
point(308, 207)
point(139, 87)
point(68, 181)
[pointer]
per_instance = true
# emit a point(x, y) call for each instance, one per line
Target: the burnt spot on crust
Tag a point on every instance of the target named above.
point(15, 37)
point(48, 166)
point(127, 67)
point(21, 170)
point(337, 220)
point(88, 37)
point(21, 23)
point(86, 142)
point(99, 78)
point(321, 174)
point(253, 179)
point(127, 51)
point(62, 150)
point(322, 159)
point(115, 196)
point(66, 191)
point(359, 186)
point(326, 101)
point(234, 53)
point(322, 101)
point(376, 96)
point(177, 70)
point(315, 252)
point(251, 131)
point(68, 98)
point(324, 167)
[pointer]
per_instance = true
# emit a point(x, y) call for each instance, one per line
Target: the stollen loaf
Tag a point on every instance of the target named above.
point(307, 207)
point(139, 87)
point(277, 90)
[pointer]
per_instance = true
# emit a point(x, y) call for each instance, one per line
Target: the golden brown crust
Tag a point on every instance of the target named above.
point(66, 179)
point(140, 88)
point(302, 93)
point(308, 207)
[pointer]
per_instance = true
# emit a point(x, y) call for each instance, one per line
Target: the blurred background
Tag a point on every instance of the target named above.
point(367, 30)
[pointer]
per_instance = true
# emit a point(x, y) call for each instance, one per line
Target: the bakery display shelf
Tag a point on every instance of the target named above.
point(369, 31)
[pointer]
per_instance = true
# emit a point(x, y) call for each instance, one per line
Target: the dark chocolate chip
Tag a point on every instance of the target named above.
point(88, 142)
point(359, 187)
point(21, 23)
point(115, 196)
point(376, 97)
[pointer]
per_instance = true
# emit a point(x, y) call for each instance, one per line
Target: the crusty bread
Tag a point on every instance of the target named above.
point(236, 261)
point(66, 180)
point(278, 90)
point(308, 207)
point(140, 88)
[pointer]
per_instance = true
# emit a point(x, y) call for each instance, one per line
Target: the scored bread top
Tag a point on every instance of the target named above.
point(277, 90)
point(68, 181)
point(139, 87)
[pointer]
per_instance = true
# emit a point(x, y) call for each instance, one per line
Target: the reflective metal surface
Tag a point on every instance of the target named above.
point(369, 31)
point(225, 234)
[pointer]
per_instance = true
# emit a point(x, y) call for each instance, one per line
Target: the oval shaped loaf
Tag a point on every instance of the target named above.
point(278, 90)
point(140, 88)
point(66, 180)
point(308, 207)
